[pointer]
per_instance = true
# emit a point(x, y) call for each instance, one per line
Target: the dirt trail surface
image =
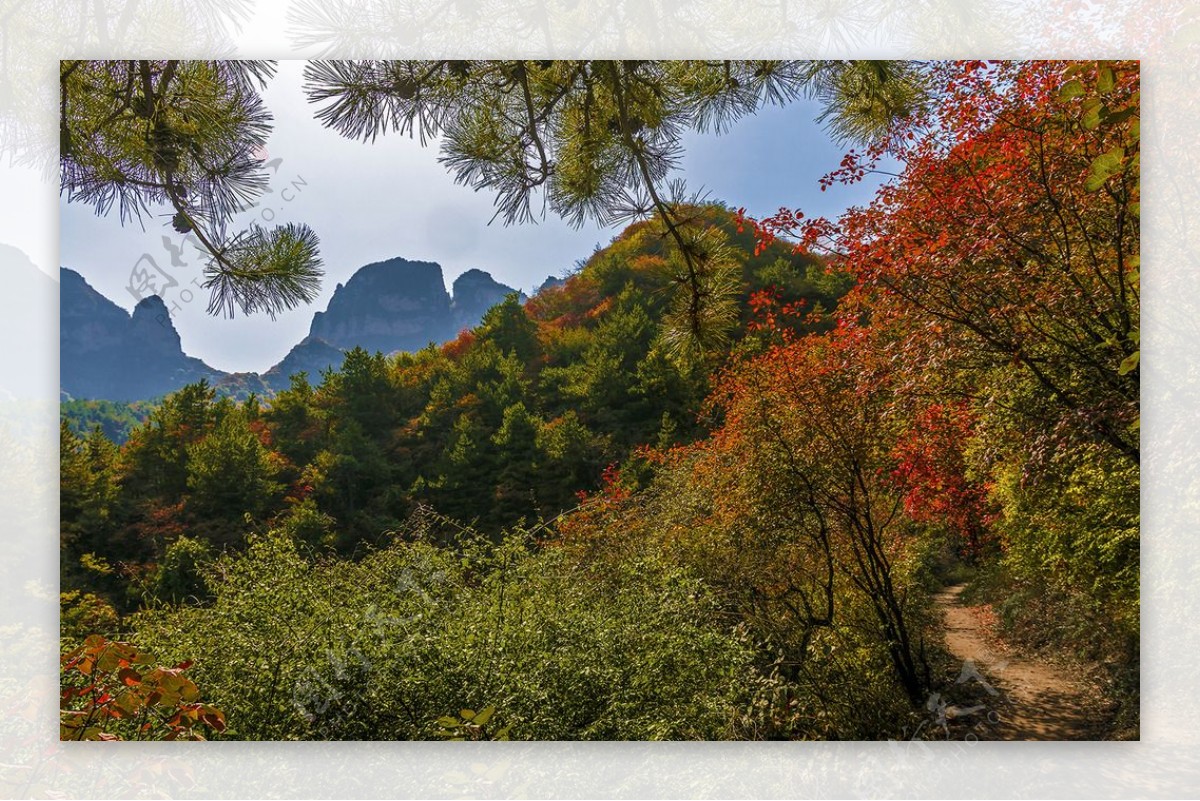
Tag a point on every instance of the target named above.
point(1022, 697)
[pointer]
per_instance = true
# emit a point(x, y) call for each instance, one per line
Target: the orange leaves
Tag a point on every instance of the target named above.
point(807, 396)
point(648, 263)
point(566, 304)
point(612, 491)
point(940, 241)
point(764, 300)
point(111, 692)
point(600, 309)
point(771, 315)
point(460, 345)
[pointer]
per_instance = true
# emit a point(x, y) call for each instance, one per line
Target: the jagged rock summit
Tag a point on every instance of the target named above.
point(388, 306)
point(312, 355)
point(474, 293)
point(104, 352)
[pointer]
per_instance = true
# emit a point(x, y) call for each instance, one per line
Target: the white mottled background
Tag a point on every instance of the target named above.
point(35, 34)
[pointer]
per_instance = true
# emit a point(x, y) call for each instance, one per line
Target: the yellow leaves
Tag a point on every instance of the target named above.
point(1071, 89)
point(95, 564)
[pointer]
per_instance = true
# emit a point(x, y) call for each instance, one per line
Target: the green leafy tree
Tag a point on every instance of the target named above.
point(88, 502)
point(230, 476)
point(351, 480)
point(517, 457)
point(156, 458)
point(508, 325)
point(178, 577)
point(570, 460)
point(296, 421)
point(362, 391)
point(468, 471)
point(117, 419)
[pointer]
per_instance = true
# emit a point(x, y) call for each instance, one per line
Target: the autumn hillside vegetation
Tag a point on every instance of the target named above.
point(564, 524)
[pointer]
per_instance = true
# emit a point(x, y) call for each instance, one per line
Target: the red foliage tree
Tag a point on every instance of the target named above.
point(932, 469)
point(806, 448)
point(1008, 244)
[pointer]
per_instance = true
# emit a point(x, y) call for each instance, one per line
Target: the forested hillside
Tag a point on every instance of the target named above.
point(659, 503)
point(510, 423)
point(115, 419)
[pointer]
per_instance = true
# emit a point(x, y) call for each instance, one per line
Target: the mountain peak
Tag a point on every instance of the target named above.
point(400, 304)
point(472, 275)
point(388, 306)
point(106, 353)
point(398, 275)
point(152, 309)
point(311, 355)
point(151, 324)
point(474, 293)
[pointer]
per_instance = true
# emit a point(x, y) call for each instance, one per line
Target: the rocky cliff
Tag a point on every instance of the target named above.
point(106, 353)
point(388, 306)
point(311, 355)
point(474, 293)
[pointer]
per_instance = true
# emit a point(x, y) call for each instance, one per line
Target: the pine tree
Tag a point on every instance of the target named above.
point(599, 140)
point(189, 135)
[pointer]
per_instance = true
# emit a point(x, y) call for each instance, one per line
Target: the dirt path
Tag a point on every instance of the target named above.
point(1019, 697)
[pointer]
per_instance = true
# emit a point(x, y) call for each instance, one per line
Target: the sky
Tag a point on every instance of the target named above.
point(373, 201)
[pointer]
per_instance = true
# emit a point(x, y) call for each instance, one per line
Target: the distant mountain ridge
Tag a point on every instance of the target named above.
point(105, 353)
point(393, 305)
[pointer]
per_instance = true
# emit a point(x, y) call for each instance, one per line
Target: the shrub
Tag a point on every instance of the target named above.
point(384, 647)
point(113, 691)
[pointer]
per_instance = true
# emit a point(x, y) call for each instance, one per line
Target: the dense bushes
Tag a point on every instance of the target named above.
point(294, 646)
point(567, 640)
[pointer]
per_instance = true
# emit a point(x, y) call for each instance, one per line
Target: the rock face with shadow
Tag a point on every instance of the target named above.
point(106, 353)
point(474, 293)
point(388, 306)
point(312, 356)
